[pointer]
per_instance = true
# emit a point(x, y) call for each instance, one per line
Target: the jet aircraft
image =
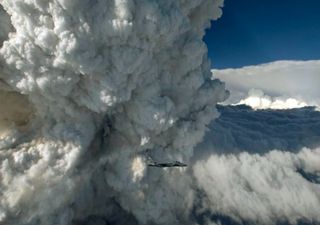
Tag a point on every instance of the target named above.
point(169, 164)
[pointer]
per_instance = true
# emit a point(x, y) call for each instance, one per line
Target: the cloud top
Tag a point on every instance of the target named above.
point(277, 85)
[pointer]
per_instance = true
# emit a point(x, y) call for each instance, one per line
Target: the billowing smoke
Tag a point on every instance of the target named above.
point(87, 88)
point(91, 91)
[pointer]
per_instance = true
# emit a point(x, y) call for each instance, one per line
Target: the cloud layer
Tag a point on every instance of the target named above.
point(240, 128)
point(277, 85)
point(265, 189)
point(253, 167)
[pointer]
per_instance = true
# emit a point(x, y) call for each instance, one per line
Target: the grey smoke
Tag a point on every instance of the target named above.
point(104, 81)
point(87, 88)
point(5, 25)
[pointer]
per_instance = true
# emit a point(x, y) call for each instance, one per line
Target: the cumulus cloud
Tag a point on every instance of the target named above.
point(258, 100)
point(95, 84)
point(90, 90)
point(276, 85)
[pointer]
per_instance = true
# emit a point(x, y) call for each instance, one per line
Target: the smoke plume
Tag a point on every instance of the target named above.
point(86, 88)
point(91, 91)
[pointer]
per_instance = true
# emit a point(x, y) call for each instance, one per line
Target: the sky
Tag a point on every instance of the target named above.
point(252, 32)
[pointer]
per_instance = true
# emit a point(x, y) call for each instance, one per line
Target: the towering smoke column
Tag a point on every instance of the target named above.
point(86, 87)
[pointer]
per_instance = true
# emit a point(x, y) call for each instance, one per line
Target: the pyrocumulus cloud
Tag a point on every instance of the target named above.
point(87, 88)
point(90, 91)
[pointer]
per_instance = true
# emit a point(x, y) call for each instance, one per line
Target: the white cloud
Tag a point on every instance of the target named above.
point(262, 188)
point(253, 166)
point(283, 84)
point(258, 100)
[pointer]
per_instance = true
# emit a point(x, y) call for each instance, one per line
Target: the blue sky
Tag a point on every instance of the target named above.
point(259, 31)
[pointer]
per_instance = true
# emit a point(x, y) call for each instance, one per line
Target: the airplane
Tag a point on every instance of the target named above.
point(169, 164)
